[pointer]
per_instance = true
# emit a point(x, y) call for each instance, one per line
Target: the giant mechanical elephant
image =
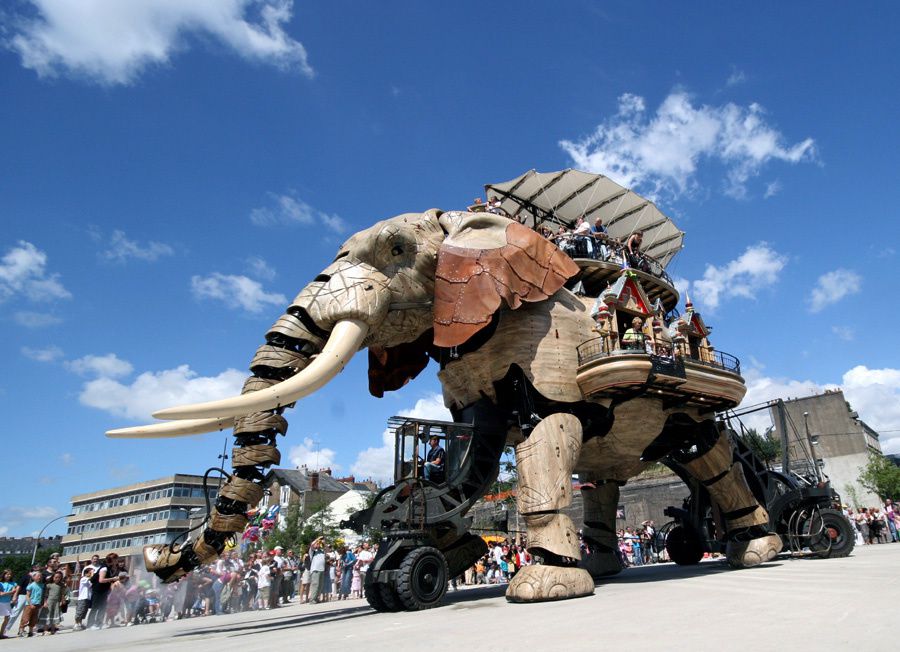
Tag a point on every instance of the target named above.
point(484, 296)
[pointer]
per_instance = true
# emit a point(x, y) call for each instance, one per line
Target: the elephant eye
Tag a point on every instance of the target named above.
point(397, 250)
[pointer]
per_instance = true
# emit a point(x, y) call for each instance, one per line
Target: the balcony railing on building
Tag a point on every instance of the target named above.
point(603, 347)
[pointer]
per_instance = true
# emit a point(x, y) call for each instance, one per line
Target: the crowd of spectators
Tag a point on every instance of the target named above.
point(104, 594)
point(875, 524)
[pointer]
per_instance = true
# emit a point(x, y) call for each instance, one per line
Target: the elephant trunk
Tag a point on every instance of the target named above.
point(301, 354)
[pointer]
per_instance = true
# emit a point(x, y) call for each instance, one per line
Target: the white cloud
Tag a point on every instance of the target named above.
point(736, 77)
point(30, 319)
point(47, 354)
point(844, 332)
point(112, 42)
point(289, 210)
point(661, 153)
point(259, 268)
point(755, 269)
point(772, 189)
point(66, 459)
point(873, 393)
point(101, 366)
point(311, 455)
point(23, 272)
point(235, 291)
point(832, 287)
point(154, 390)
point(377, 463)
point(121, 249)
point(16, 516)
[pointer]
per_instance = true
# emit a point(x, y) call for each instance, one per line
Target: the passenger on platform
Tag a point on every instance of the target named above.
point(633, 251)
point(583, 242)
point(601, 251)
point(495, 207)
point(633, 340)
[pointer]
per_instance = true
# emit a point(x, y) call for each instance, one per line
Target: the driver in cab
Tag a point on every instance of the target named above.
point(434, 461)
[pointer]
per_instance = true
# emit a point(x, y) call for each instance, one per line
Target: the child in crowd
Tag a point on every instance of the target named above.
point(34, 599)
point(7, 590)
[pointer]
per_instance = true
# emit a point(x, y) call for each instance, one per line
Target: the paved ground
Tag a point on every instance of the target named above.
point(835, 604)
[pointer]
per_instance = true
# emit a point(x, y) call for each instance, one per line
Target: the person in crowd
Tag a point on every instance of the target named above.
point(8, 589)
point(249, 586)
point(317, 569)
point(276, 563)
point(264, 584)
point(101, 584)
point(54, 598)
point(363, 560)
point(19, 601)
point(288, 577)
point(889, 513)
point(356, 576)
point(305, 576)
point(34, 599)
point(348, 561)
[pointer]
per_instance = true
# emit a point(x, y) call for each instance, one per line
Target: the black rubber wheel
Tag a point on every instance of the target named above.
point(683, 546)
point(381, 597)
point(423, 579)
point(837, 537)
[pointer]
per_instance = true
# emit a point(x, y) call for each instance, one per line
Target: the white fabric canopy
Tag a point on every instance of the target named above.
point(562, 197)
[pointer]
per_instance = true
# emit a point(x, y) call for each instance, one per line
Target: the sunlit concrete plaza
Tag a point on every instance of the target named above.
point(839, 603)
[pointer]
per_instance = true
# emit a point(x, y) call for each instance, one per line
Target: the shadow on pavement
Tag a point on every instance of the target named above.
point(274, 624)
point(470, 597)
point(672, 572)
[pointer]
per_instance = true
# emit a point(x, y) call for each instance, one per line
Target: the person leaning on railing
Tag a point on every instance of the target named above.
point(633, 339)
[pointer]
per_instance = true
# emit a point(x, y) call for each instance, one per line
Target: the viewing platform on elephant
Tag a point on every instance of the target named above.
point(683, 372)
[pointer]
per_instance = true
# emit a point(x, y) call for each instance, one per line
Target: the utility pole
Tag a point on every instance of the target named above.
point(223, 457)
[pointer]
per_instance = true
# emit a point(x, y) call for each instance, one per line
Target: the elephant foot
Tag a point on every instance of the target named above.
point(600, 564)
point(539, 583)
point(746, 554)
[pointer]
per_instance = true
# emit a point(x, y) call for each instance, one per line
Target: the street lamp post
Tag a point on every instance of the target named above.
point(38, 539)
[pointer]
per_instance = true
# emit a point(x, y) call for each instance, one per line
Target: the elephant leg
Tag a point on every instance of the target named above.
point(545, 461)
point(746, 521)
point(600, 500)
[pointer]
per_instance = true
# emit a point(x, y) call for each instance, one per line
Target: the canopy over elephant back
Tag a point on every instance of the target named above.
point(484, 296)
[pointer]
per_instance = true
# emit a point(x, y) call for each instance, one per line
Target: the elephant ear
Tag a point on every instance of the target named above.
point(486, 258)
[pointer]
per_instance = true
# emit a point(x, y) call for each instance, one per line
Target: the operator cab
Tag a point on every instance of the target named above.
point(411, 446)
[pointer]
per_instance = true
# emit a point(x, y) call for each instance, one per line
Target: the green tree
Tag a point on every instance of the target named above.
point(881, 477)
point(21, 564)
point(320, 524)
point(767, 446)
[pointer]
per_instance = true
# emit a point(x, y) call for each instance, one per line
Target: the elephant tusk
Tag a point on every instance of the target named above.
point(172, 429)
point(344, 341)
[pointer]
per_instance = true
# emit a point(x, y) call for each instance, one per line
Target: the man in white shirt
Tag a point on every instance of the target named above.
point(317, 568)
point(364, 559)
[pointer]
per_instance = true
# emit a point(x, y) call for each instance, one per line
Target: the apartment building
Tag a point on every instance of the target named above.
point(125, 519)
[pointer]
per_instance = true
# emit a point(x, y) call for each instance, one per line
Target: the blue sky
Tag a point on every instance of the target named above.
point(173, 173)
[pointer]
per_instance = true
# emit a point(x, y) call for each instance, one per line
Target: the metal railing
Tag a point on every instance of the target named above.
point(612, 251)
point(604, 347)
